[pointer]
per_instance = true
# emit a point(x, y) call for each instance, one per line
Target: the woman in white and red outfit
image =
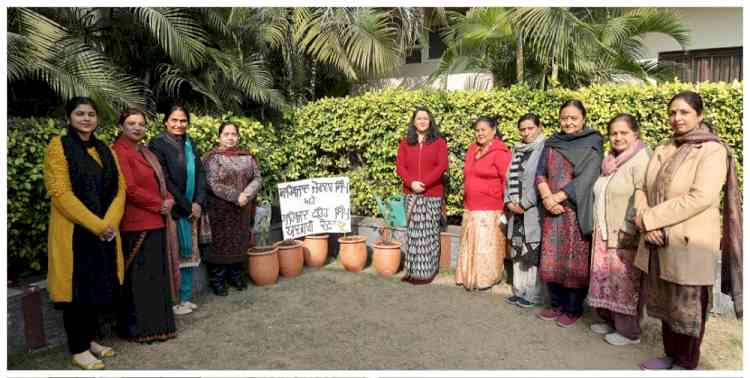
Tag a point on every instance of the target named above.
point(482, 249)
point(421, 163)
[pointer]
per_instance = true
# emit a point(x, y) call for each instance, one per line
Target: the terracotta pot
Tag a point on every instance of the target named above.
point(263, 265)
point(291, 258)
point(353, 252)
point(445, 251)
point(386, 257)
point(316, 250)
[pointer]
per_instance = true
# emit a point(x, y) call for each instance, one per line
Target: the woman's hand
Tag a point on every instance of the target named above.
point(196, 212)
point(557, 209)
point(514, 208)
point(549, 203)
point(417, 186)
point(243, 199)
point(166, 207)
point(108, 234)
point(655, 237)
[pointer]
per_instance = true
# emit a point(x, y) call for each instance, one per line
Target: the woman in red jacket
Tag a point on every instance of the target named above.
point(149, 239)
point(421, 162)
point(482, 249)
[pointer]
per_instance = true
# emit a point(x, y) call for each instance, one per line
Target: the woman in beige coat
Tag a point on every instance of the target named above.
point(682, 239)
point(615, 283)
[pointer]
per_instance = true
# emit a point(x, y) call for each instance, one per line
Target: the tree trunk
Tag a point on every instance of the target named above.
point(519, 59)
point(555, 69)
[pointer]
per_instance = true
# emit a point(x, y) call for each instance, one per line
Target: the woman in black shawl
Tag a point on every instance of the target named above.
point(85, 262)
point(569, 166)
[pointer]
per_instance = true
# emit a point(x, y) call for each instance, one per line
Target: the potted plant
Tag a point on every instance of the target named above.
point(263, 261)
point(291, 258)
point(315, 248)
point(386, 254)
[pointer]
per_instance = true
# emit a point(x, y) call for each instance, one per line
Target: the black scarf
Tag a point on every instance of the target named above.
point(94, 262)
point(584, 151)
point(93, 184)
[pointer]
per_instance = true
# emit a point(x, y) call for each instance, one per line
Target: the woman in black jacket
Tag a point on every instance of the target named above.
point(186, 182)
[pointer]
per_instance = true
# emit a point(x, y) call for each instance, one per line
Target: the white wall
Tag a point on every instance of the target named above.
point(710, 28)
point(413, 76)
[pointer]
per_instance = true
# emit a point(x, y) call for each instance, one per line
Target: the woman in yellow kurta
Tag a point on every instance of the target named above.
point(85, 264)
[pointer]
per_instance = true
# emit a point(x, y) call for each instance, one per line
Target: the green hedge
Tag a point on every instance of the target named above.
point(358, 137)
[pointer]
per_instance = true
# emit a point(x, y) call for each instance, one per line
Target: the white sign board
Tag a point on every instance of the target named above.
point(315, 206)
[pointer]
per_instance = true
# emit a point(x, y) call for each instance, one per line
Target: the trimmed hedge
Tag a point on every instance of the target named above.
point(358, 137)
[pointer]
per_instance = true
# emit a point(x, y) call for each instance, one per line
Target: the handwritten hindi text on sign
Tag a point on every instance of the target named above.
point(314, 206)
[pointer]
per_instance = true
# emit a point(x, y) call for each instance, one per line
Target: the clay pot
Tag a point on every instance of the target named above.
point(291, 258)
point(353, 252)
point(445, 251)
point(316, 250)
point(263, 265)
point(386, 257)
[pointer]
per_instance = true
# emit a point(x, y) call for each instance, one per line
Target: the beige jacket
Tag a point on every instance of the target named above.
point(624, 194)
point(690, 215)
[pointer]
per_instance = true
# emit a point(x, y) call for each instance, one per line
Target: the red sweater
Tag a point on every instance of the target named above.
point(142, 201)
point(423, 162)
point(484, 179)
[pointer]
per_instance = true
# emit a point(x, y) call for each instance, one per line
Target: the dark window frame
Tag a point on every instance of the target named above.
point(716, 64)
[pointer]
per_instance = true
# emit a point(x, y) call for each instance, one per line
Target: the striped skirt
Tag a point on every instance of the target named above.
point(423, 237)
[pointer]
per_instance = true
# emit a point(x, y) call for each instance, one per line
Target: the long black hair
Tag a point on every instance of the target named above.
point(411, 131)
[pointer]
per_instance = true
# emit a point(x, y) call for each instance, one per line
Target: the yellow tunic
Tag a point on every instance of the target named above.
point(67, 211)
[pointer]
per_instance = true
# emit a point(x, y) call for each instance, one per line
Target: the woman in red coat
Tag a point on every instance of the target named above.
point(149, 239)
point(421, 162)
point(482, 249)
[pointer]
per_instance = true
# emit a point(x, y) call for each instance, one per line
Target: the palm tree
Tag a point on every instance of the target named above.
point(595, 44)
point(42, 49)
point(574, 46)
point(222, 59)
point(234, 73)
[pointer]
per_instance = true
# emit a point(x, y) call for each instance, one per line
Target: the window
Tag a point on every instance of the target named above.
point(437, 47)
point(434, 49)
point(724, 64)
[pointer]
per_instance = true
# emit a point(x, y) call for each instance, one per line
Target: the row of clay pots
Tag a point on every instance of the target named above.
point(266, 263)
point(287, 257)
point(386, 257)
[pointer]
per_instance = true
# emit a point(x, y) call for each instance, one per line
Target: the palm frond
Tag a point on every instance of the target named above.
point(177, 32)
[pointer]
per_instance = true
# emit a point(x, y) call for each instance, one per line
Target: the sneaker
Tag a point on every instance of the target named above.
point(512, 300)
point(523, 303)
point(181, 309)
point(190, 305)
point(602, 328)
point(551, 313)
point(615, 338)
point(567, 321)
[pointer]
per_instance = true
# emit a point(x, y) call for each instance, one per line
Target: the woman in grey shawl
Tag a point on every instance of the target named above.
point(524, 222)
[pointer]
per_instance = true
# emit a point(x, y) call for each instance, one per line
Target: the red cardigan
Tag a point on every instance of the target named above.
point(484, 179)
point(423, 162)
point(142, 201)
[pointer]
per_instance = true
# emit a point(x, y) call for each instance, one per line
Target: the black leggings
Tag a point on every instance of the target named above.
point(81, 323)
